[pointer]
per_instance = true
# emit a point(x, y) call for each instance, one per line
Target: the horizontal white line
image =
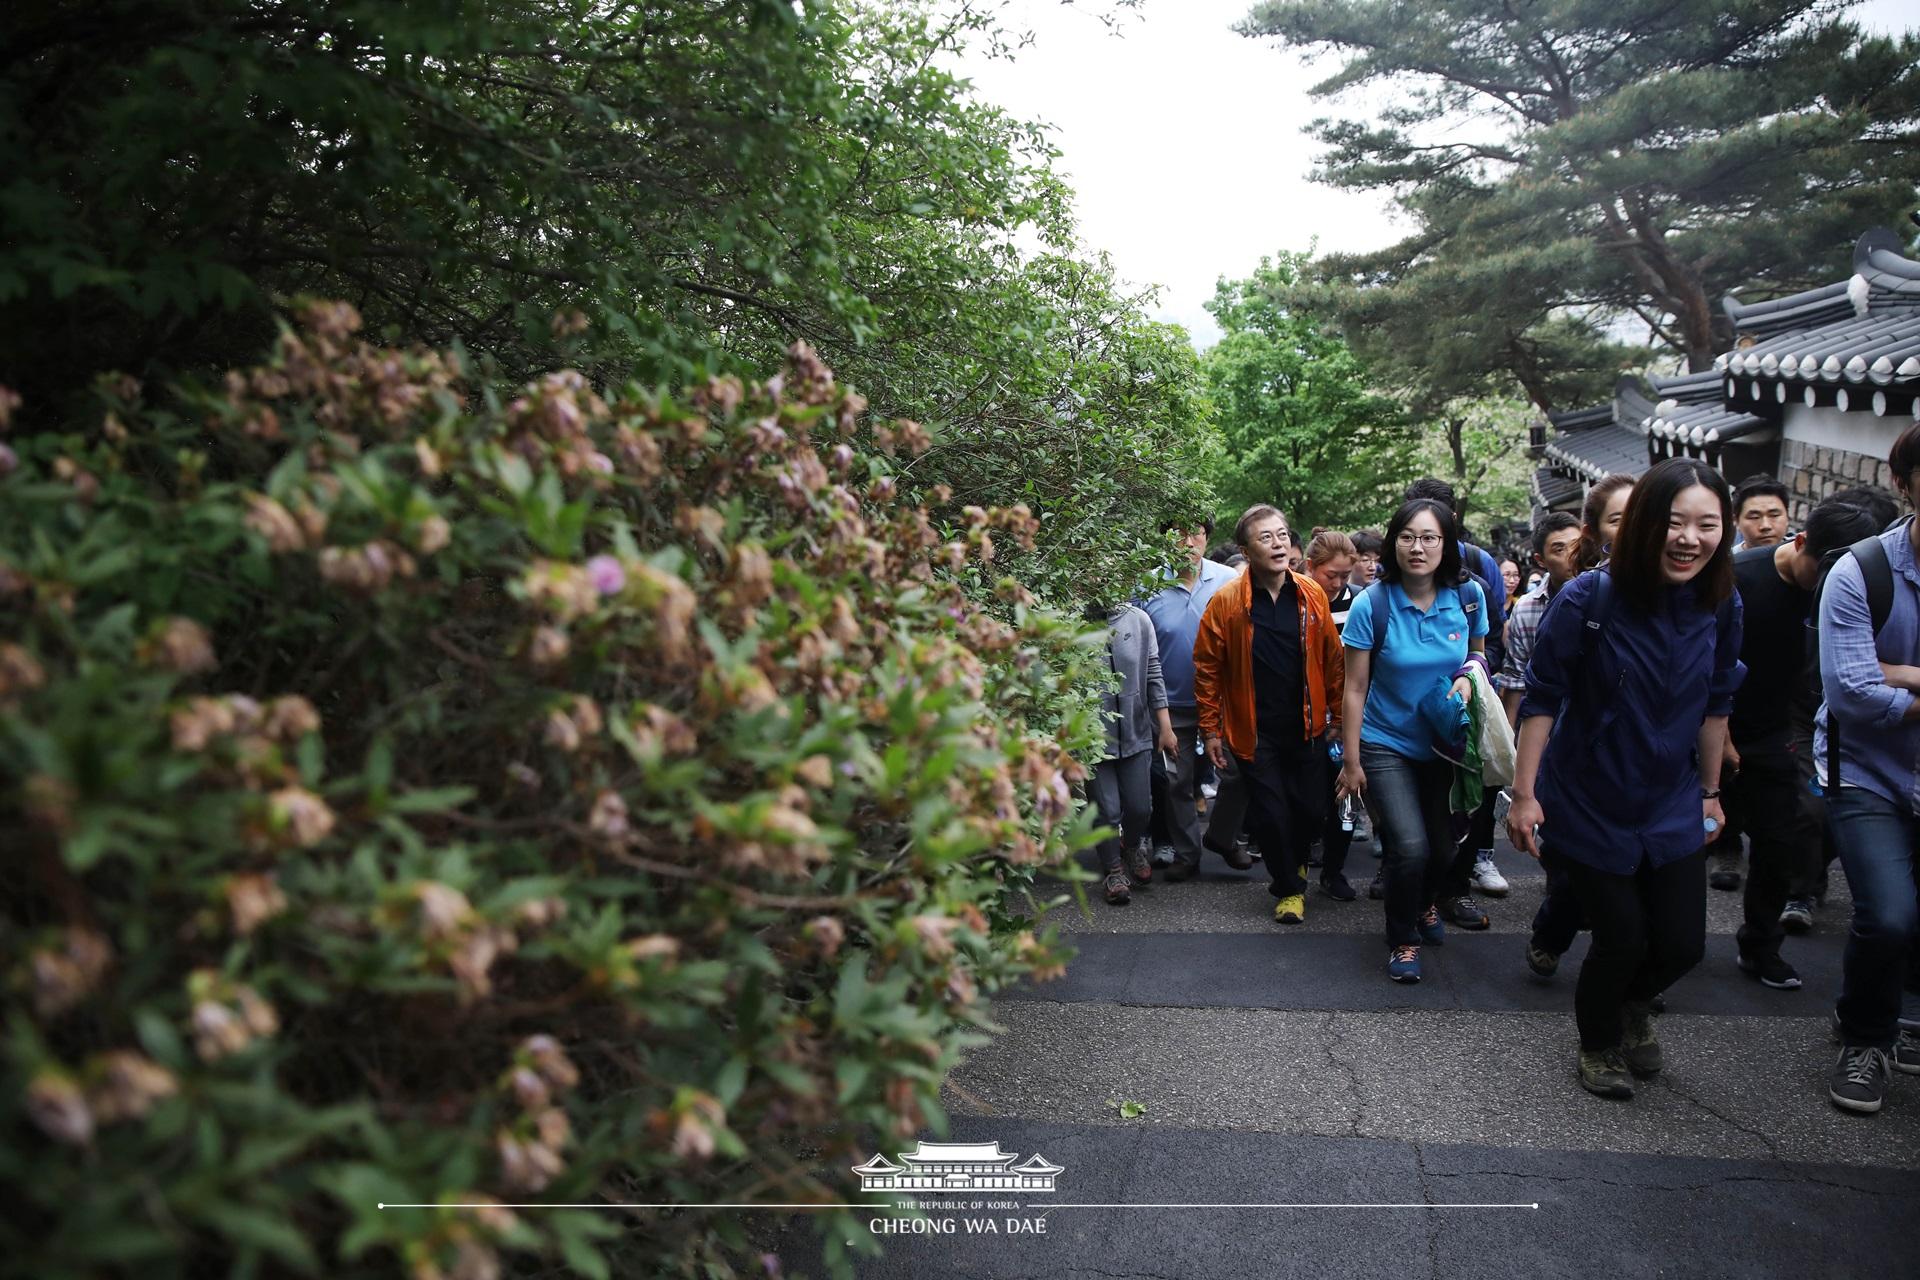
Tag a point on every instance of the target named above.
point(954, 1208)
point(1283, 1206)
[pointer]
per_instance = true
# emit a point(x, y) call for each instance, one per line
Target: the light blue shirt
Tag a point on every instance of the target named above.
point(1176, 622)
point(1422, 649)
point(1879, 746)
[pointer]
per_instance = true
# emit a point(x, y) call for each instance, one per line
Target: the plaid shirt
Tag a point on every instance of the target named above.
point(1523, 624)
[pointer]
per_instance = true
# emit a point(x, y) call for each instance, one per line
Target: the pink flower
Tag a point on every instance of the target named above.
point(608, 577)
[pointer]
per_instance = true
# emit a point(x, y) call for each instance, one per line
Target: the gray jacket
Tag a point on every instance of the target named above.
point(1128, 710)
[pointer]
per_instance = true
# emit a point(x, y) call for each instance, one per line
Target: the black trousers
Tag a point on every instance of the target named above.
point(1781, 843)
point(1649, 929)
point(1560, 918)
point(1479, 835)
point(1285, 788)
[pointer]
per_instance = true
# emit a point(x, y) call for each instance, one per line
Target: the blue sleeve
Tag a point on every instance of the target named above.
point(1359, 631)
point(1482, 617)
point(1856, 689)
point(1556, 650)
point(1728, 670)
point(1496, 609)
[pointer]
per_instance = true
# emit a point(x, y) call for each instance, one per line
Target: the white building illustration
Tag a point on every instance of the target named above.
point(957, 1166)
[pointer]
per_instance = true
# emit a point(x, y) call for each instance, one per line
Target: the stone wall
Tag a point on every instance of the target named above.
point(1811, 473)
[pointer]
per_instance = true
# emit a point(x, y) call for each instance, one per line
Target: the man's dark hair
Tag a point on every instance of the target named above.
point(1181, 526)
point(1434, 490)
point(1293, 535)
point(1368, 542)
point(1872, 499)
point(1223, 552)
point(1836, 524)
point(1762, 486)
point(1904, 457)
point(1551, 523)
point(1643, 536)
point(1451, 572)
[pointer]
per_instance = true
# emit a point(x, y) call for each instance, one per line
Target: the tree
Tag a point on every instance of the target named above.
point(1297, 423)
point(653, 191)
point(1609, 158)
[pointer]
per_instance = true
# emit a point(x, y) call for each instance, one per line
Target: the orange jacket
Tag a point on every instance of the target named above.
point(1223, 664)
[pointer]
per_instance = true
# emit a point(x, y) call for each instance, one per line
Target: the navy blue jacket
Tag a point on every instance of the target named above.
point(1619, 782)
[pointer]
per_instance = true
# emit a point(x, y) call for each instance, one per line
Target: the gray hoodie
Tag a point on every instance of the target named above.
point(1135, 653)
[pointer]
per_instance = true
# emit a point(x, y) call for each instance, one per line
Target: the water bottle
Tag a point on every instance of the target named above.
point(1335, 754)
point(1346, 814)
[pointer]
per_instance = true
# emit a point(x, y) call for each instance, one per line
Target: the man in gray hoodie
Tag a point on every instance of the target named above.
point(1137, 722)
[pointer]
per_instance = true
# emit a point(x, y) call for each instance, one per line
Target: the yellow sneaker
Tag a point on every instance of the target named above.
point(1291, 909)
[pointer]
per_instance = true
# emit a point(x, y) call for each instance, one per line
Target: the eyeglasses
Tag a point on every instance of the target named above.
point(1427, 540)
point(1272, 538)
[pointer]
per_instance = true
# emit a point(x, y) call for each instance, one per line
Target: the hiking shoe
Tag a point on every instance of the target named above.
point(1209, 790)
point(1543, 962)
point(1140, 865)
point(1859, 1079)
point(1461, 911)
point(1906, 1049)
point(1291, 909)
point(1164, 856)
point(1432, 932)
point(1240, 857)
point(1403, 964)
point(1338, 888)
point(1605, 1075)
point(1638, 1046)
point(1728, 880)
point(1486, 877)
point(1797, 915)
point(1180, 869)
point(1378, 888)
point(1119, 891)
point(1771, 970)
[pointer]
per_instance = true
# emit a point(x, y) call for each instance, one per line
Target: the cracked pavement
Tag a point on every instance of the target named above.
point(1306, 1117)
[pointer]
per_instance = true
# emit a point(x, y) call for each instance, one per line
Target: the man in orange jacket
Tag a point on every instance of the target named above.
point(1269, 673)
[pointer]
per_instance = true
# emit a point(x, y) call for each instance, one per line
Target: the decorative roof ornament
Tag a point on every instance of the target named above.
point(1858, 292)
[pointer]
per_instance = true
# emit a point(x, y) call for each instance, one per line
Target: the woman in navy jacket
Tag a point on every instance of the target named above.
point(1628, 691)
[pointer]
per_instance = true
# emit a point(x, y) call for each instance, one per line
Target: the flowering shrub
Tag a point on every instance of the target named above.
point(424, 796)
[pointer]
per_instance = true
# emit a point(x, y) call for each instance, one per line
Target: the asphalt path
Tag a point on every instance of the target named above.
point(1228, 1096)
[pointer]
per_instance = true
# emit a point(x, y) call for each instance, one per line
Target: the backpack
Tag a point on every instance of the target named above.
point(1378, 602)
point(1876, 573)
point(1600, 612)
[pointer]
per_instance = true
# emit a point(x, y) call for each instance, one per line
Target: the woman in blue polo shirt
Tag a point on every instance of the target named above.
point(1628, 690)
point(1435, 616)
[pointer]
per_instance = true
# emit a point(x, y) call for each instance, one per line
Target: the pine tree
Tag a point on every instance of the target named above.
point(1606, 158)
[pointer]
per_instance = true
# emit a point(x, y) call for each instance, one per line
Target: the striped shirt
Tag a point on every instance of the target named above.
point(1523, 624)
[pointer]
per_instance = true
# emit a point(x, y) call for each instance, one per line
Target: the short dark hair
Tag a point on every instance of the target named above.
point(1433, 489)
point(1368, 542)
point(1762, 486)
point(1592, 509)
point(1872, 499)
point(1181, 526)
point(1294, 535)
point(1904, 457)
point(1223, 552)
point(1258, 511)
point(1643, 535)
point(1451, 571)
point(1836, 524)
point(1551, 523)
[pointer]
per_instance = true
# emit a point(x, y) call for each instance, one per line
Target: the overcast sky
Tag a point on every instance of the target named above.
point(1183, 141)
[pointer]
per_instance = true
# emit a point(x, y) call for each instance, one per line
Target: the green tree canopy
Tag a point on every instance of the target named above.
point(703, 184)
point(1297, 423)
point(1605, 158)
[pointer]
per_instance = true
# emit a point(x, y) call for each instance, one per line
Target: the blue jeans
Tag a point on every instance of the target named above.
point(1877, 841)
point(1415, 827)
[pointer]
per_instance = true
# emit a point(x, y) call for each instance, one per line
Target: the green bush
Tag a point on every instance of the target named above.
point(422, 795)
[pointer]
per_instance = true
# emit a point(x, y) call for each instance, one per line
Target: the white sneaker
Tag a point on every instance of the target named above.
point(1486, 877)
point(1209, 790)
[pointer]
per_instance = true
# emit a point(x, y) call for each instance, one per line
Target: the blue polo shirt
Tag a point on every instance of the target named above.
point(1422, 649)
point(1176, 622)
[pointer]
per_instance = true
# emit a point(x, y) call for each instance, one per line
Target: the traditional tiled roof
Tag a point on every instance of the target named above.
point(1690, 411)
point(1873, 343)
point(1551, 489)
point(956, 1153)
point(1598, 451)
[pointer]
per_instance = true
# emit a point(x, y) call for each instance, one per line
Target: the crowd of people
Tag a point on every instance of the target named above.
point(1668, 673)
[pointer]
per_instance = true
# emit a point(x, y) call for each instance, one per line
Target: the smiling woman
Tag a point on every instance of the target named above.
point(1633, 674)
